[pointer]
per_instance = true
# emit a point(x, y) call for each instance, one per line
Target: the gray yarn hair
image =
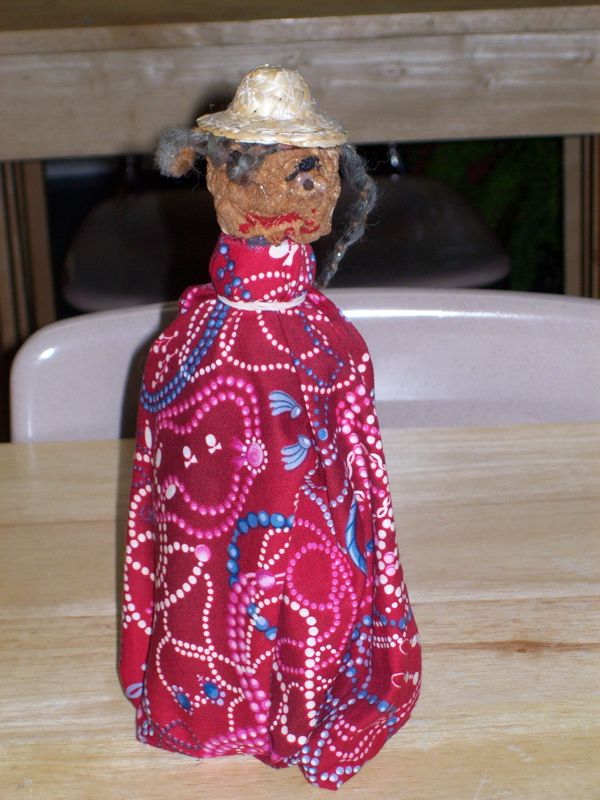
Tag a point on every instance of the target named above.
point(353, 170)
point(242, 158)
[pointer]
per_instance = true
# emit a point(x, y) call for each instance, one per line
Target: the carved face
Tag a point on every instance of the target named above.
point(291, 194)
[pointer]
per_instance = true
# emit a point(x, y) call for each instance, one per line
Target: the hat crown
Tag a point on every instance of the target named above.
point(274, 93)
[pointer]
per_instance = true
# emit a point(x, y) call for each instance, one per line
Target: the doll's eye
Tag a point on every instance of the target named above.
point(308, 184)
point(306, 165)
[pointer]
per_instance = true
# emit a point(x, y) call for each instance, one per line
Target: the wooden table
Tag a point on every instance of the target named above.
point(500, 535)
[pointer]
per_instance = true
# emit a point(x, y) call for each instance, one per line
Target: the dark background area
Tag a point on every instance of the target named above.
point(513, 185)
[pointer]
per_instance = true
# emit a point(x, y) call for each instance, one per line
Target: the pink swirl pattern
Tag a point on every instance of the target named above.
point(264, 606)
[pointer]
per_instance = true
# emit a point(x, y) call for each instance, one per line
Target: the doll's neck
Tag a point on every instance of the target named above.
point(249, 270)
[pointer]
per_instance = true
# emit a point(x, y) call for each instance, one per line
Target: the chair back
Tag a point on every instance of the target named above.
point(441, 358)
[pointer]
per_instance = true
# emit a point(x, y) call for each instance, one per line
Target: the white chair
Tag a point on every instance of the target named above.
point(442, 357)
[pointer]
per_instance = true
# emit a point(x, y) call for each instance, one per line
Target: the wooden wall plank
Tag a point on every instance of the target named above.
point(61, 15)
point(572, 215)
point(12, 308)
point(8, 317)
point(26, 285)
point(417, 88)
point(221, 24)
point(595, 220)
point(17, 270)
point(35, 224)
point(582, 215)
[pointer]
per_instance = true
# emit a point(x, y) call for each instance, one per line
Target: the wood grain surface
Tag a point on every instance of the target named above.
point(499, 532)
point(109, 78)
point(102, 24)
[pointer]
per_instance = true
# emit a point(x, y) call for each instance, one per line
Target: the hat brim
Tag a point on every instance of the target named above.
point(312, 130)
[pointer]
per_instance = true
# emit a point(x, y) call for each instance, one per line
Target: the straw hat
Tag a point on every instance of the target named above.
point(273, 105)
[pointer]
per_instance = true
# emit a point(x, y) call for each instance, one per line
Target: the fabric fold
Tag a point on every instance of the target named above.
point(265, 610)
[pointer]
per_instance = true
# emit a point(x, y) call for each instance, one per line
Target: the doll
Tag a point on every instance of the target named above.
point(264, 606)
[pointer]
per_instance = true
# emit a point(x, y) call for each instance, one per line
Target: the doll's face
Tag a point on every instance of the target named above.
point(291, 194)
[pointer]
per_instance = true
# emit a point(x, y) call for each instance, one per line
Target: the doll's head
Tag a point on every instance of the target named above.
point(289, 194)
point(273, 164)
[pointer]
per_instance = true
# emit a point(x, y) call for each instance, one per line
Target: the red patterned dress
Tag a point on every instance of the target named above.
point(264, 609)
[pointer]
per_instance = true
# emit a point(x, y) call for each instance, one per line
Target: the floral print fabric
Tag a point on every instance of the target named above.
point(265, 610)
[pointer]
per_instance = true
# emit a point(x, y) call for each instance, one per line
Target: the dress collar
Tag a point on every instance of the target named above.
point(250, 270)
